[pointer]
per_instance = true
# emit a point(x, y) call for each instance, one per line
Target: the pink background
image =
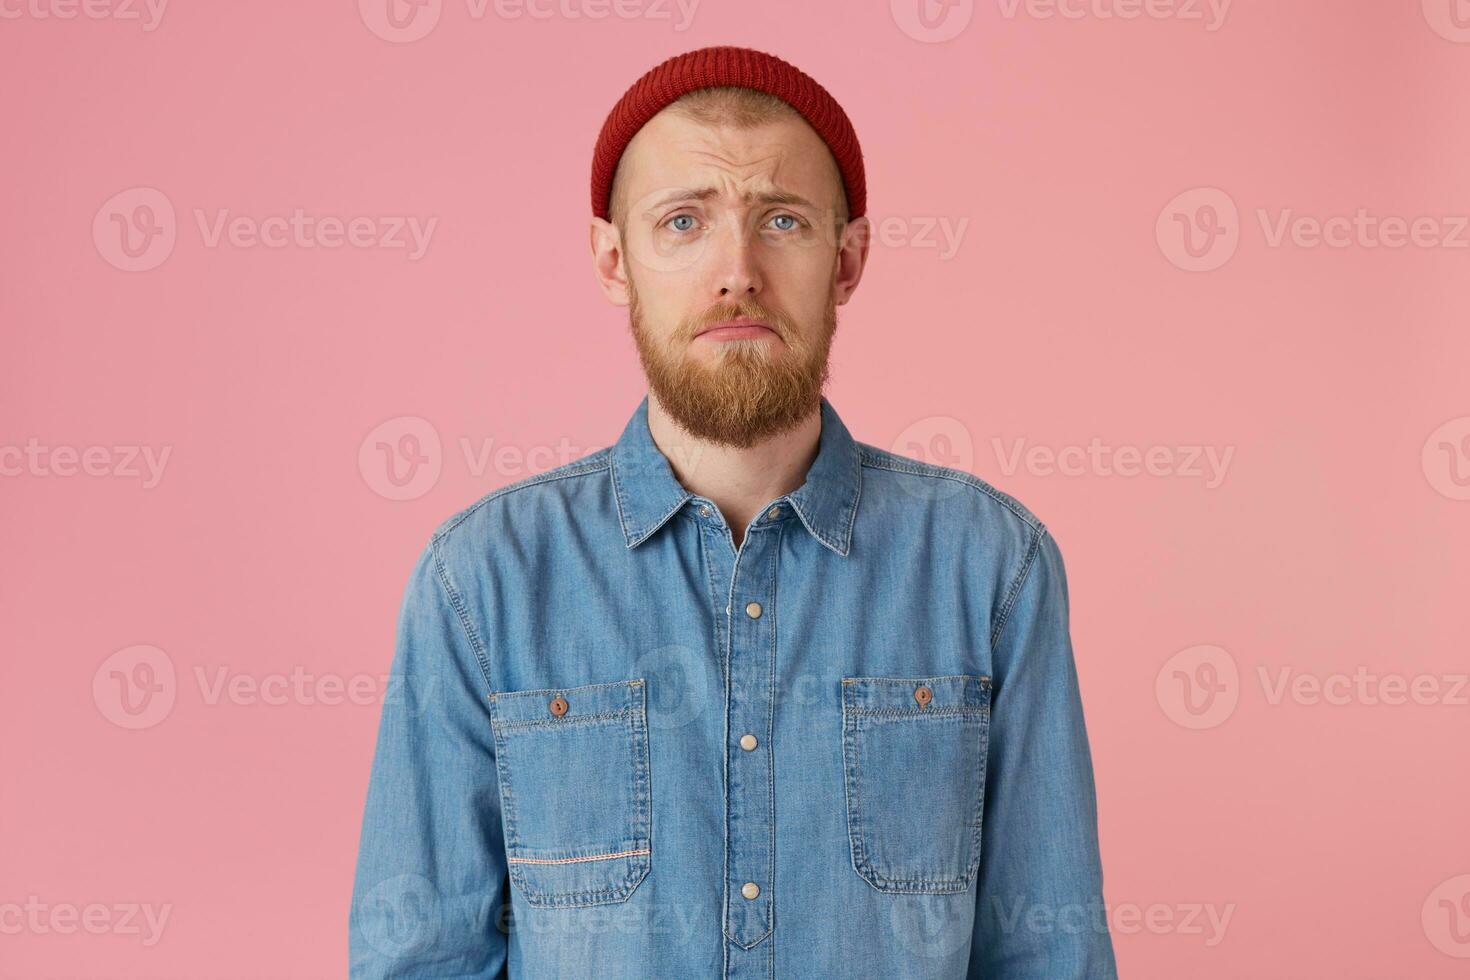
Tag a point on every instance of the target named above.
point(1330, 830)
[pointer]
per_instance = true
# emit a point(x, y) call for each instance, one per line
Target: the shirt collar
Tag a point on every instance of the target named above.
point(648, 493)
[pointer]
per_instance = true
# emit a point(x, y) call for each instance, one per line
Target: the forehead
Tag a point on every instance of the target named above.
point(674, 151)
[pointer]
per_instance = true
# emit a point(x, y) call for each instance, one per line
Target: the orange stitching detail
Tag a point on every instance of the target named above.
point(594, 857)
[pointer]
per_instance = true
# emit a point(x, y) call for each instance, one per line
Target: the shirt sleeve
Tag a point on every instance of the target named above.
point(430, 880)
point(1039, 911)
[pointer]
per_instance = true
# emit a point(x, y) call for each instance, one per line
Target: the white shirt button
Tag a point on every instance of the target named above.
point(704, 510)
point(748, 742)
point(753, 610)
point(774, 512)
point(750, 889)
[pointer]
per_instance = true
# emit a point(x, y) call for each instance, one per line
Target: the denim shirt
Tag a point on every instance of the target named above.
point(616, 745)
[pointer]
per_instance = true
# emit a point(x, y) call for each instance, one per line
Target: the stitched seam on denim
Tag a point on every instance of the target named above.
point(612, 471)
point(638, 770)
point(580, 721)
point(856, 499)
point(726, 919)
point(568, 900)
point(984, 679)
point(721, 627)
point(771, 597)
point(645, 535)
point(903, 684)
point(595, 463)
point(643, 782)
point(977, 834)
point(540, 691)
point(461, 613)
point(920, 880)
point(714, 588)
point(507, 789)
point(637, 536)
point(947, 711)
point(1016, 586)
point(842, 547)
point(918, 886)
point(579, 860)
point(855, 796)
point(879, 459)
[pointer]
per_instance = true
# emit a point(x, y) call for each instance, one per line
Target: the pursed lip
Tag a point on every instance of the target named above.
point(740, 321)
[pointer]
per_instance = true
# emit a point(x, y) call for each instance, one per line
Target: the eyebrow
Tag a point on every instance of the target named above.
point(749, 197)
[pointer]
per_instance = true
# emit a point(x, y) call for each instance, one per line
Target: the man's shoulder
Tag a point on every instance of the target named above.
point(530, 499)
point(956, 493)
point(997, 534)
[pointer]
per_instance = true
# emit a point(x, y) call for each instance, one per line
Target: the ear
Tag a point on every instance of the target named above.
point(852, 258)
point(607, 261)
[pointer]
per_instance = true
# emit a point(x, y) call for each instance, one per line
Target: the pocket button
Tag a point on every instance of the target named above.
point(558, 705)
point(923, 695)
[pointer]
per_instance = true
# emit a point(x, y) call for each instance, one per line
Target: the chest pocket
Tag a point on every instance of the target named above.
point(914, 754)
point(574, 788)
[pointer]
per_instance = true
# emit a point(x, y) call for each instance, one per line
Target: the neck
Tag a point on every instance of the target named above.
point(739, 481)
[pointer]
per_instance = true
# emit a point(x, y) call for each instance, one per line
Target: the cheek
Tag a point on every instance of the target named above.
point(808, 267)
point(801, 283)
point(661, 308)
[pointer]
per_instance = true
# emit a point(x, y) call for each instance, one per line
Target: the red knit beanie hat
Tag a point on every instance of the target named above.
point(726, 65)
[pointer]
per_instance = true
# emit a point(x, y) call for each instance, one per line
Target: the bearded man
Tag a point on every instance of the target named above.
point(738, 695)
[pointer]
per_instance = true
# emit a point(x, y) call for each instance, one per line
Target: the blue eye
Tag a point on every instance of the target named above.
point(682, 217)
point(785, 217)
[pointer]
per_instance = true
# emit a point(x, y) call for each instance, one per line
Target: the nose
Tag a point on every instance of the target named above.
point(737, 264)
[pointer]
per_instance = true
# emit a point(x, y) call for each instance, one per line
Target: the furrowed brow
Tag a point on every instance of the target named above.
point(779, 197)
point(686, 195)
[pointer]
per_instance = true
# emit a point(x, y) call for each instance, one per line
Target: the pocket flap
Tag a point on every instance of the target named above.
point(578, 705)
point(903, 696)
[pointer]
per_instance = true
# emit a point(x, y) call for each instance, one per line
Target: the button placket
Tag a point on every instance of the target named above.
point(750, 854)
